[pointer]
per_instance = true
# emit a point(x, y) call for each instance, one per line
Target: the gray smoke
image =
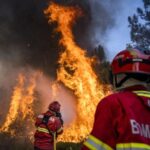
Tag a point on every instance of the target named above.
point(100, 18)
point(25, 35)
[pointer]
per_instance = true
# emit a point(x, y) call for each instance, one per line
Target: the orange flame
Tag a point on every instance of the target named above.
point(14, 105)
point(27, 99)
point(76, 73)
point(21, 103)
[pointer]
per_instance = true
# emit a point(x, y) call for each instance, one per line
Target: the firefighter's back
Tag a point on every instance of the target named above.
point(47, 125)
point(133, 124)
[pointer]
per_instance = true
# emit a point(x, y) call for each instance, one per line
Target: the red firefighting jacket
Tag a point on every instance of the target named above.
point(44, 132)
point(122, 122)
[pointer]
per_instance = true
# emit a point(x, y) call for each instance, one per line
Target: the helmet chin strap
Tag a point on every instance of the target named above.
point(127, 81)
point(119, 84)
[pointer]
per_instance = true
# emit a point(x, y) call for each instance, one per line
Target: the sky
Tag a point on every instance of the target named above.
point(118, 36)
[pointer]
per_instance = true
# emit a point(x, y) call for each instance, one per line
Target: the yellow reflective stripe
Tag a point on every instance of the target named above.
point(95, 144)
point(89, 145)
point(59, 130)
point(145, 92)
point(42, 130)
point(133, 145)
point(100, 142)
point(142, 93)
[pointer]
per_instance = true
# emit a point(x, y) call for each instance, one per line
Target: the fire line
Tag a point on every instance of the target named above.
point(75, 72)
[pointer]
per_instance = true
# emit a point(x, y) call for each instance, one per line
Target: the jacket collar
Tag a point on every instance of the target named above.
point(136, 87)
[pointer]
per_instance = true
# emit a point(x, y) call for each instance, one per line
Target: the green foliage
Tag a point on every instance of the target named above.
point(99, 53)
point(101, 65)
point(104, 71)
point(140, 26)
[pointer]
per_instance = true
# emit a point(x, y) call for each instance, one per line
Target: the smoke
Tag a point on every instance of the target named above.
point(26, 38)
point(99, 17)
point(22, 26)
point(8, 78)
point(106, 24)
point(25, 35)
point(46, 90)
point(49, 90)
point(103, 19)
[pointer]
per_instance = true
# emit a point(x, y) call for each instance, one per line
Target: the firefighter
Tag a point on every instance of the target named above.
point(48, 126)
point(122, 119)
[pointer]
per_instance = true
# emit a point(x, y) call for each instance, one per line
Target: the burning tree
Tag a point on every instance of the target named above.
point(75, 72)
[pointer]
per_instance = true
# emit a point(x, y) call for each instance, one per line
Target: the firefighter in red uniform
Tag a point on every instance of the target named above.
point(48, 125)
point(122, 119)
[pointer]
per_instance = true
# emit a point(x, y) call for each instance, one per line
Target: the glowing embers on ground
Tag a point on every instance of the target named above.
point(76, 73)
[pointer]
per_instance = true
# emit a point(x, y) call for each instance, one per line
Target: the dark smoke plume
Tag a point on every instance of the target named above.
point(27, 39)
point(25, 35)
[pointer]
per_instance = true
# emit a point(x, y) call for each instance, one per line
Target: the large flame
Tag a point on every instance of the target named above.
point(76, 73)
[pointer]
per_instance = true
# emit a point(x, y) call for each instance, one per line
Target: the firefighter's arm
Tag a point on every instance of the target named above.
point(58, 114)
point(38, 120)
point(55, 125)
point(60, 125)
point(103, 132)
point(60, 130)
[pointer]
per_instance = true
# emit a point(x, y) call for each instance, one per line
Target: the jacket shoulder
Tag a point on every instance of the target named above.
point(115, 100)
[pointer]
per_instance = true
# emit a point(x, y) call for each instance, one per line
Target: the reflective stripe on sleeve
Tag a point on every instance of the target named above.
point(40, 116)
point(42, 130)
point(95, 144)
point(59, 130)
point(133, 146)
point(142, 93)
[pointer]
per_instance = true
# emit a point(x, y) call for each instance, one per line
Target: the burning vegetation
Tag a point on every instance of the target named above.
point(75, 72)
